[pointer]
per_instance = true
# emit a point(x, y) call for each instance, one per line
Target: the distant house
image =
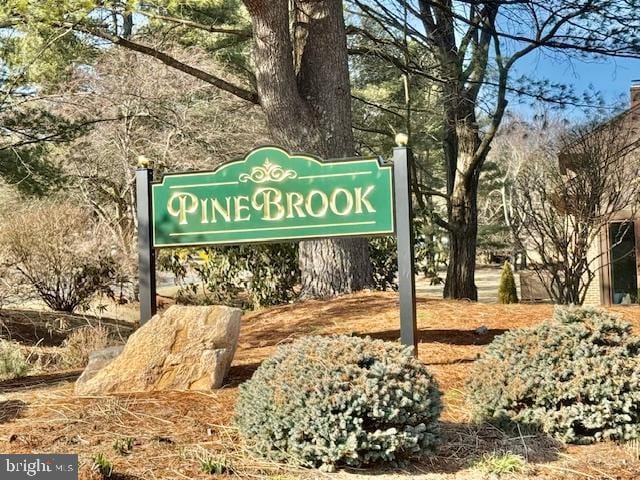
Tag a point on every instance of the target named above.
point(618, 249)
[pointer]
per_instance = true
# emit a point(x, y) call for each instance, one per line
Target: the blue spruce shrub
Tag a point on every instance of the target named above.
point(575, 377)
point(327, 401)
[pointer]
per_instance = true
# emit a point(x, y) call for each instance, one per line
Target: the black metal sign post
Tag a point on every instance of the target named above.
point(402, 157)
point(146, 252)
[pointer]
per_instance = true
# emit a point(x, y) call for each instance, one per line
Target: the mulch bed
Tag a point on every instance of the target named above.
point(174, 432)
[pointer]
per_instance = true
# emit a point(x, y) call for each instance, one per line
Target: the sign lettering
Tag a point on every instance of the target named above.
point(271, 195)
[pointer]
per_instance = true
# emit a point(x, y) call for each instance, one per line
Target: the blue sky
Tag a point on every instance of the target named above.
point(611, 77)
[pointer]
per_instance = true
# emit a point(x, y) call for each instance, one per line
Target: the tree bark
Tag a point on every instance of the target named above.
point(460, 283)
point(305, 93)
point(463, 68)
point(461, 152)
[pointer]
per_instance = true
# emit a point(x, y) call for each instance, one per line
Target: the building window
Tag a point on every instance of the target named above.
point(624, 270)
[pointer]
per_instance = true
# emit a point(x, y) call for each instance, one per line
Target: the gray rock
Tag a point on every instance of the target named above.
point(98, 360)
point(183, 348)
point(482, 330)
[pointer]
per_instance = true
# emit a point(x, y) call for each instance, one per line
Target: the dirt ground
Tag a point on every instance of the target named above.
point(173, 432)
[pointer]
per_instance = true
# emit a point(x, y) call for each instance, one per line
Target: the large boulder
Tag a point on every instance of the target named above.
point(97, 361)
point(183, 348)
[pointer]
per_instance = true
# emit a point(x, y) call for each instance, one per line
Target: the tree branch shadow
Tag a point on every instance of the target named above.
point(447, 336)
point(38, 381)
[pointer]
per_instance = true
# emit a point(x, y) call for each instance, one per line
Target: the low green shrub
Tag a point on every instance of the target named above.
point(576, 377)
point(327, 401)
point(505, 463)
point(383, 253)
point(13, 362)
point(428, 248)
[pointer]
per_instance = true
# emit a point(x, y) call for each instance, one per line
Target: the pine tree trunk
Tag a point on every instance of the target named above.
point(328, 266)
point(305, 93)
point(460, 282)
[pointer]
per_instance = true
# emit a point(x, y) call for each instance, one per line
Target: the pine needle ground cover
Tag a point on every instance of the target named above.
point(174, 436)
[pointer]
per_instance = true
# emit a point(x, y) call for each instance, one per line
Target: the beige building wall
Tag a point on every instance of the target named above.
point(599, 291)
point(594, 293)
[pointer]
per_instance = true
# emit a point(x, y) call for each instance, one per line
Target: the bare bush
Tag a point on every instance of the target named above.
point(57, 251)
point(519, 144)
point(12, 291)
point(145, 108)
point(81, 343)
point(562, 205)
point(5, 286)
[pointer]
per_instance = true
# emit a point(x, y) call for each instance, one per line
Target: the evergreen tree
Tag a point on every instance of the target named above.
point(507, 291)
point(299, 77)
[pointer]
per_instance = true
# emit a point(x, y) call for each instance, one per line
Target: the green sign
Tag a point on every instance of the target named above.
point(271, 195)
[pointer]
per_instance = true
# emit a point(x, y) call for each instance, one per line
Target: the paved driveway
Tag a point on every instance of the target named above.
point(487, 281)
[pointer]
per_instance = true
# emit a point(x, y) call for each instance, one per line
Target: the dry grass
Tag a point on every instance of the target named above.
point(81, 343)
point(174, 432)
point(33, 326)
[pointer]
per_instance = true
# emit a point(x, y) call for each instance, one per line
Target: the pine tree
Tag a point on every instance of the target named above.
point(507, 291)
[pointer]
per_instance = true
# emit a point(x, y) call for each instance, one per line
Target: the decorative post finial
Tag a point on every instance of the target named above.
point(143, 162)
point(402, 139)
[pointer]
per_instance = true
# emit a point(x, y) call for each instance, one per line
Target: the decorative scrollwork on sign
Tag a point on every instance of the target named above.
point(268, 172)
